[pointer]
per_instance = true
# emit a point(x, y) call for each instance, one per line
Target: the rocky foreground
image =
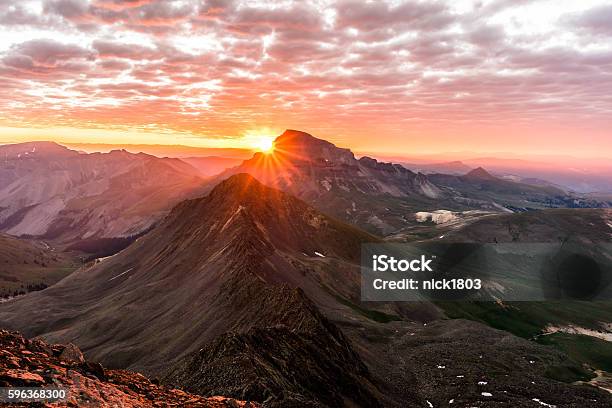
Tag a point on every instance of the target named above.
point(34, 363)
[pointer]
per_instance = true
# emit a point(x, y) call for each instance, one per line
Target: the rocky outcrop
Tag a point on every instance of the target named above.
point(34, 363)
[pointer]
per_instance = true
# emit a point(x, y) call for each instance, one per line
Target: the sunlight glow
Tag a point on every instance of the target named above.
point(261, 140)
point(264, 144)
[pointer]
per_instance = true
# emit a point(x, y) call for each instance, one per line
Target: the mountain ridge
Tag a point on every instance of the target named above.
point(228, 264)
point(385, 198)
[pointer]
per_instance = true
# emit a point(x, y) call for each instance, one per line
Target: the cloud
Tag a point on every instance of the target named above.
point(487, 35)
point(596, 20)
point(344, 66)
point(68, 9)
point(409, 15)
point(50, 52)
point(112, 49)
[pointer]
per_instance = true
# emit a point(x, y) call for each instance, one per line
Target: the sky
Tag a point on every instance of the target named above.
point(526, 77)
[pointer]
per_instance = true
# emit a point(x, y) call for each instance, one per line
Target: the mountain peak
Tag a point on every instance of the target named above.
point(480, 173)
point(295, 134)
point(241, 184)
point(37, 148)
point(295, 145)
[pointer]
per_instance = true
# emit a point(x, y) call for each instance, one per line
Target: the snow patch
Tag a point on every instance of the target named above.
point(234, 215)
point(437, 217)
point(121, 274)
point(486, 394)
point(104, 258)
point(319, 254)
point(543, 403)
point(571, 329)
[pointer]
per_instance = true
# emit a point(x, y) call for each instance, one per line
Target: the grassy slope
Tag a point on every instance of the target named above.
point(24, 263)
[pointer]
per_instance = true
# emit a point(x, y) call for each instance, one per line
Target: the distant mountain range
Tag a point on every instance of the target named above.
point(52, 192)
point(383, 197)
point(101, 201)
point(175, 151)
point(211, 165)
point(572, 174)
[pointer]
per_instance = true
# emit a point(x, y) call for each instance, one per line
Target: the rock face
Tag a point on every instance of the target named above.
point(71, 354)
point(49, 191)
point(34, 363)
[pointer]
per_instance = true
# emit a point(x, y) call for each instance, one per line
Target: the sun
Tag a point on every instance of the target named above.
point(261, 140)
point(264, 144)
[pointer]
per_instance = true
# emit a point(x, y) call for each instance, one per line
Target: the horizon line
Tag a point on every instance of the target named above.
point(430, 155)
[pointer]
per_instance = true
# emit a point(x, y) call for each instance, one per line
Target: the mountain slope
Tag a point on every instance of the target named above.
point(586, 225)
point(218, 268)
point(47, 190)
point(30, 265)
point(482, 185)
